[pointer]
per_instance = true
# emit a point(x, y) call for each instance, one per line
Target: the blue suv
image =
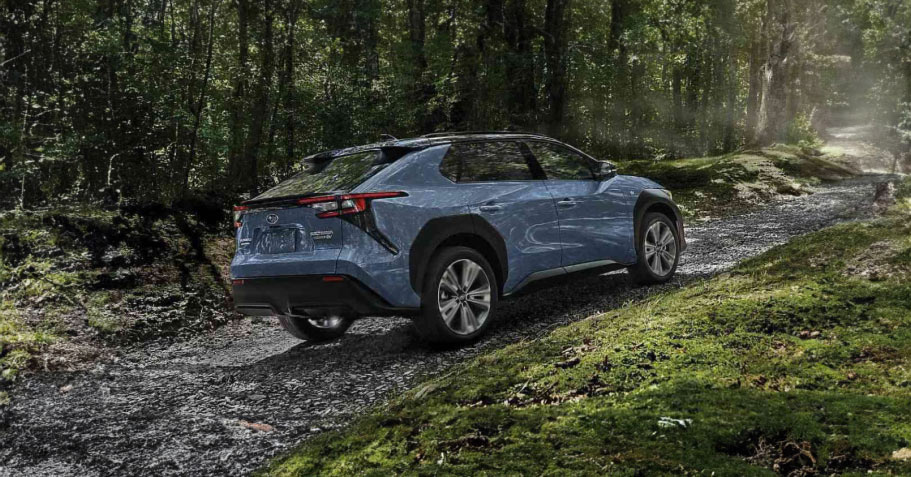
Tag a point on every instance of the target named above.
point(440, 228)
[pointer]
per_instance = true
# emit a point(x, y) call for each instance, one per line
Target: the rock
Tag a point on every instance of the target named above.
point(671, 422)
point(256, 426)
point(66, 389)
point(884, 197)
point(569, 363)
point(902, 454)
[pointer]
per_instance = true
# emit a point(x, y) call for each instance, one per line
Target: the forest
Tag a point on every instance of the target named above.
point(161, 100)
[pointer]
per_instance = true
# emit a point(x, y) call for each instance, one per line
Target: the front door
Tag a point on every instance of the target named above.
point(593, 222)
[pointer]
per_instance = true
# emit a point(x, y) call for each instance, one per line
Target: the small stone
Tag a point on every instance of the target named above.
point(902, 454)
point(67, 388)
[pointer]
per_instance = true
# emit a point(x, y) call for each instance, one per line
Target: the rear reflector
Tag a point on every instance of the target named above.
point(333, 278)
point(237, 282)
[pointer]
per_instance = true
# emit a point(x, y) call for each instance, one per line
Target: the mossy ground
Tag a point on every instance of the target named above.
point(89, 275)
point(796, 362)
point(704, 186)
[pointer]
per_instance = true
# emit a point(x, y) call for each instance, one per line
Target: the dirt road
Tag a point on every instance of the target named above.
point(224, 402)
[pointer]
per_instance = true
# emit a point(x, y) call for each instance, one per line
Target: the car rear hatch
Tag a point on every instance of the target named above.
point(295, 228)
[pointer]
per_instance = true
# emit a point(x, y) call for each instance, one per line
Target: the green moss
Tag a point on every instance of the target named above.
point(734, 181)
point(789, 360)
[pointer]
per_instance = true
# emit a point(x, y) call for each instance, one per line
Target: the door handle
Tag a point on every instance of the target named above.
point(490, 208)
point(567, 203)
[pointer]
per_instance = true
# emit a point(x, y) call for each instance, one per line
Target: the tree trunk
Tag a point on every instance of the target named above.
point(236, 168)
point(201, 102)
point(555, 42)
point(260, 107)
point(520, 65)
point(755, 86)
point(772, 123)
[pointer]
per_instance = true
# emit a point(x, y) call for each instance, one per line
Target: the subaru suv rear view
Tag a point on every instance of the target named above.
point(440, 228)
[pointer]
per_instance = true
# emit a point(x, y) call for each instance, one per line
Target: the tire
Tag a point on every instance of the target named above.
point(315, 329)
point(450, 312)
point(647, 270)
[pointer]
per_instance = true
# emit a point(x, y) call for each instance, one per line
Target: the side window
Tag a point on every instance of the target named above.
point(560, 163)
point(485, 161)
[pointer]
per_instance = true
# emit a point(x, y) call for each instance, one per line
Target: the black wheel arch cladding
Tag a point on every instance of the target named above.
point(469, 230)
point(656, 200)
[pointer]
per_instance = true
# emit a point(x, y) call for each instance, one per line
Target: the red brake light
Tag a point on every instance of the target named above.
point(349, 203)
point(238, 213)
point(333, 278)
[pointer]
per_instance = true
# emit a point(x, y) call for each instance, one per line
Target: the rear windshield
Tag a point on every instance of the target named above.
point(329, 175)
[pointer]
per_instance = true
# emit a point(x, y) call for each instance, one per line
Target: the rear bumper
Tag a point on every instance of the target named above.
point(309, 295)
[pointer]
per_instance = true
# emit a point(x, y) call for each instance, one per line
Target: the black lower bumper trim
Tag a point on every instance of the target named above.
point(310, 295)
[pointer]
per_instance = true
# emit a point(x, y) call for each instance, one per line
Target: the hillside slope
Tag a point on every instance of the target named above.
point(797, 362)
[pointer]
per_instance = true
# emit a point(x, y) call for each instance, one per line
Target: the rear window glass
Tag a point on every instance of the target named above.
point(328, 175)
point(485, 161)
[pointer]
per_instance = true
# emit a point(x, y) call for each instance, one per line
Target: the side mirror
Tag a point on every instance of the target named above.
point(606, 170)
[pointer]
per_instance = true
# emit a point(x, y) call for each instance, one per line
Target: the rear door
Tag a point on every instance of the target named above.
point(500, 186)
point(593, 220)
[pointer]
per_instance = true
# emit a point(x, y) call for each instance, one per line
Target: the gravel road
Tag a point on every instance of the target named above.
point(224, 402)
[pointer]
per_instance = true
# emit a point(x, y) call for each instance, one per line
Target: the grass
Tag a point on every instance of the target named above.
point(87, 274)
point(709, 185)
point(798, 362)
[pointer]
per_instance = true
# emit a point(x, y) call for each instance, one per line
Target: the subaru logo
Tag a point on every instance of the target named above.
point(272, 219)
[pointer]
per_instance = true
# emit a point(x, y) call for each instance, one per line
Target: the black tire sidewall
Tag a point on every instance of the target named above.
point(644, 269)
point(430, 323)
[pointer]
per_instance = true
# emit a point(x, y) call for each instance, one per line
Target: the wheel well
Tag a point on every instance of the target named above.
point(663, 209)
point(477, 243)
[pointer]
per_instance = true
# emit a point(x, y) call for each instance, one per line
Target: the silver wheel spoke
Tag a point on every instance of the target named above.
point(450, 282)
point(469, 320)
point(448, 310)
point(470, 272)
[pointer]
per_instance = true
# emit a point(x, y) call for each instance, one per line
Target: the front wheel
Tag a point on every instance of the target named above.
point(459, 297)
point(658, 250)
point(315, 328)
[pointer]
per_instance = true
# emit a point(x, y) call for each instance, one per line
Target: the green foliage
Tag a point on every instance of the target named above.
point(154, 100)
point(801, 132)
point(795, 362)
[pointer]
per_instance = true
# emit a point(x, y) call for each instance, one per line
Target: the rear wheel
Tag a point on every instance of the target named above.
point(315, 328)
point(459, 297)
point(658, 250)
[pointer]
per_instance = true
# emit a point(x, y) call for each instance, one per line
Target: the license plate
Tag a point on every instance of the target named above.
point(279, 241)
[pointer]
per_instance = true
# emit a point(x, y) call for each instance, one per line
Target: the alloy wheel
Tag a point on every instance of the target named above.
point(464, 296)
point(660, 248)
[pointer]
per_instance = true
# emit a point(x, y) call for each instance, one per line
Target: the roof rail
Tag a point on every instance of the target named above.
point(466, 133)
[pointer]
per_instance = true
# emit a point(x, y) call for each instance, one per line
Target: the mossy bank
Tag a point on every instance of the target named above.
point(797, 362)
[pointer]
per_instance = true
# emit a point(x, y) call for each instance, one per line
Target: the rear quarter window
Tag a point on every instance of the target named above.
point(485, 161)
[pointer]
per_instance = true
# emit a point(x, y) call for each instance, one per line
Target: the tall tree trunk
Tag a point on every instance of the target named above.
point(773, 109)
point(423, 90)
point(520, 64)
point(288, 78)
point(259, 111)
point(555, 43)
point(236, 158)
point(201, 102)
point(754, 96)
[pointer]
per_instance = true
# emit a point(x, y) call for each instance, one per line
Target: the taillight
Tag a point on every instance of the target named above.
point(238, 214)
point(337, 205)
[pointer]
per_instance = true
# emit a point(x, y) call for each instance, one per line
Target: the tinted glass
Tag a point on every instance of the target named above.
point(327, 175)
point(485, 161)
point(560, 163)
